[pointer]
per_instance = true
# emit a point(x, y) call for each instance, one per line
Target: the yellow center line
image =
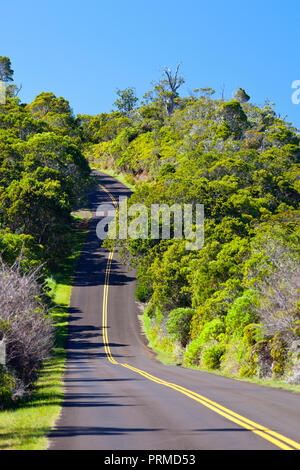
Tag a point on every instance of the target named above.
point(274, 437)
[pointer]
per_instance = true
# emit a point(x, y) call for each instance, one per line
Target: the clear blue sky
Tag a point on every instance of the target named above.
point(84, 49)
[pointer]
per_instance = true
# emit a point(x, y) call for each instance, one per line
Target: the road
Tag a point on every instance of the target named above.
point(118, 396)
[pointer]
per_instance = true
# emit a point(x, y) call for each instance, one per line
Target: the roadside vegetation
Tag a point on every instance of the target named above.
point(232, 306)
point(43, 179)
point(26, 421)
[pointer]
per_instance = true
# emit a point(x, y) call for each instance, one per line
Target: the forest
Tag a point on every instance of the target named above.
point(43, 175)
point(232, 306)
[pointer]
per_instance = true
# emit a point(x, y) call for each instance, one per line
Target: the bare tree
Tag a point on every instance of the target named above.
point(169, 88)
point(279, 288)
point(25, 324)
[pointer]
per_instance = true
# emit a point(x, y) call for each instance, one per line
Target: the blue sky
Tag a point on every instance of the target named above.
point(85, 50)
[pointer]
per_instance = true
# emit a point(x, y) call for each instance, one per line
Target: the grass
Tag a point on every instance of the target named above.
point(26, 426)
point(164, 350)
point(265, 382)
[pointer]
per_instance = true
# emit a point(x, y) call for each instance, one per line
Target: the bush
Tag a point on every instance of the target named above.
point(24, 323)
point(142, 292)
point(252, 334)
point(178, 324)
point(248, 353)
point(242, 313)
point(7, 385)
point(211, 356)
point(234, 356)
point(193, 352)
point(278, 354)
point(150, 311)
point(212, 330)
point(130, 179)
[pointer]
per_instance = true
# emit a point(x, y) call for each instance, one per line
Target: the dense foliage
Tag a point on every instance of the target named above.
point(233, 304)
point(43, 173)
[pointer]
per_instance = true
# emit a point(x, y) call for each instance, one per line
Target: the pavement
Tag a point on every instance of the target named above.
point(118, 396)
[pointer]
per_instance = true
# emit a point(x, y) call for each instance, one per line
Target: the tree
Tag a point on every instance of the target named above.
point(241, 96)
point(169, 87)
point(6, 72)
point(274, 271)
point(233, 115)
point(46, 103)
point(165, 92)
point(127, 100)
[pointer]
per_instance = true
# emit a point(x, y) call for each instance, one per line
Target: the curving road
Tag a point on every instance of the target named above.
point(119, 397)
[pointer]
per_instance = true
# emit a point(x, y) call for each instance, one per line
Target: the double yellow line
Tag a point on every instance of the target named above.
point(272, 436)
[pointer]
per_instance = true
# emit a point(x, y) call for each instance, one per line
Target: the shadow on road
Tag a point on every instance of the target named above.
point(69, 431)
point(85, 341)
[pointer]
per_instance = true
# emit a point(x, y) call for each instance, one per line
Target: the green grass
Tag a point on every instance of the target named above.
point(26, 426)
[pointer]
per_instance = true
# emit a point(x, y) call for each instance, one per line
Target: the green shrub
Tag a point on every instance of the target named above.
point(166, 170)
point(142, 292)
point(279, 355)
point(154, 314)
point(252, 334)
point(159, 315)
point(234, 356)
point(178, 324)
point(211, 356)
point(248, 369)
point(242, 313)
point(130, 179)
point(223, 131)
point(149, 311)
point(212, 330)
point(242, 352)
point(193, 352)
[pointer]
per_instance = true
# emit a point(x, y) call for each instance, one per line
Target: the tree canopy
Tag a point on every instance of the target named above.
point(6, 72)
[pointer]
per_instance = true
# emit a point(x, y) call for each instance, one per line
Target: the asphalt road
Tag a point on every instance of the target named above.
point(119, 397)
